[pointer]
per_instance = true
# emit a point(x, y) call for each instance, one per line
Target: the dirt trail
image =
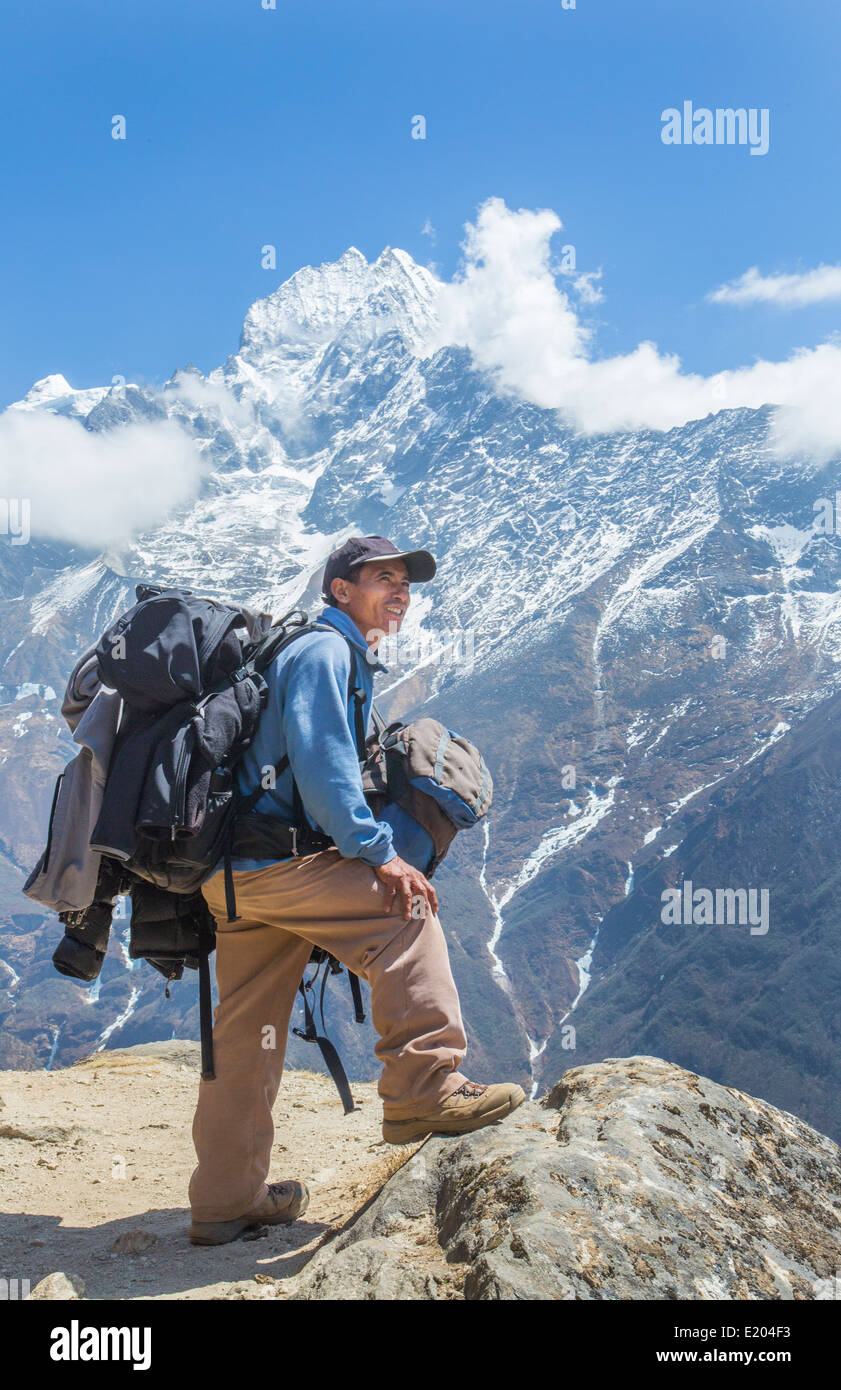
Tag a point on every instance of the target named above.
point(103, 1148)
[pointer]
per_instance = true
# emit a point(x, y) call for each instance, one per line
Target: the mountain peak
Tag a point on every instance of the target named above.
point(54, 393)
point(48, 388)
point(310, 309)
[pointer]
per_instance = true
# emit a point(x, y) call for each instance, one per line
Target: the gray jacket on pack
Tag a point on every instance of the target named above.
point(65, 876)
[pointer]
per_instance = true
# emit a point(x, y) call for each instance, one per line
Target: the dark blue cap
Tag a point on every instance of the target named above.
point(358, 550)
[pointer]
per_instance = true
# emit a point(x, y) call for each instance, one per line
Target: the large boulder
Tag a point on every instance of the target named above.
point(633, 1179)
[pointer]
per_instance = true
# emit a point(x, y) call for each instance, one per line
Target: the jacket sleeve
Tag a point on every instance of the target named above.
point(322, 751)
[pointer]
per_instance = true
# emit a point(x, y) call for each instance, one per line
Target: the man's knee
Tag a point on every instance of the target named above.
point(400, 935)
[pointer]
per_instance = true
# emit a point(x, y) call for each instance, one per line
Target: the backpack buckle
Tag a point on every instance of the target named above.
point(294, 832)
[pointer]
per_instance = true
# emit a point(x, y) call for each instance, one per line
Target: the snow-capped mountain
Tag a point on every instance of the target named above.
point(624, 624)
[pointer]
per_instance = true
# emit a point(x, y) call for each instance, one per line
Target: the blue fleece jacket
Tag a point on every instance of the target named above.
point(309, 716)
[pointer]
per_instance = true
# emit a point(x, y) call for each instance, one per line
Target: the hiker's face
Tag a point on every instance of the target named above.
point(377, 602)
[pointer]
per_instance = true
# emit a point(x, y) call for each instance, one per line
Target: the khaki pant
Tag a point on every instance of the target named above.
point(323, 900)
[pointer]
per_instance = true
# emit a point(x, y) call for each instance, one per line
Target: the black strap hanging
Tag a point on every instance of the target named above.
point(230, 891)
point(310, 1033)
point(356, 994)
point(205, 1014)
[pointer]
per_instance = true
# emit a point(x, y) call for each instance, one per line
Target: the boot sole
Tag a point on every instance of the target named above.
point(407, 1131)
point(221, 1232)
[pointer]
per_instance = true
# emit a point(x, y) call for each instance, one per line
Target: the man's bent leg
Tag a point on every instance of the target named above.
point(415, 1010)
point(258, 970)
point(338, 903)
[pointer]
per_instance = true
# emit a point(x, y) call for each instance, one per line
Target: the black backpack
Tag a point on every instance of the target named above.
point(193, 691)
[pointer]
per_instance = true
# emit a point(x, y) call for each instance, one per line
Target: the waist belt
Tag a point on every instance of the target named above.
point(259, 836)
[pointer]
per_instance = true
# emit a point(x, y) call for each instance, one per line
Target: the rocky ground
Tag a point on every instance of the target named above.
point(633, 1180)
point(95, 1160)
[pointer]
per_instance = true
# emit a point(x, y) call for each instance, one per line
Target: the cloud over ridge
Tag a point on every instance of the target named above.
point(508, 308)
point(95, 489)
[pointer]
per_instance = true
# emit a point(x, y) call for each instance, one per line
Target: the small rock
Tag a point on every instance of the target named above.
point(133, 1242)
point(247, 1289)
point(60, 1286)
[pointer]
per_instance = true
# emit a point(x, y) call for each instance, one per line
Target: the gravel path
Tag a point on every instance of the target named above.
point(101, 1153)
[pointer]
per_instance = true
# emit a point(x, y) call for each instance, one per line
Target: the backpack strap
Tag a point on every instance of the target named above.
point(245, 804)
point(310, 1033)
point(359, 699)
point(205, 1011)
point(230, 891)
point(356, 995)
point(379, 722)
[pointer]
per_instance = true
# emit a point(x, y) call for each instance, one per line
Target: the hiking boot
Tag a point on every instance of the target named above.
point(284, 1202)
point(470, 1107)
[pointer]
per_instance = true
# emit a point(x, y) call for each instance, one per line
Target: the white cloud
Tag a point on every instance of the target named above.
point(509, 309)
point(786, 291)
point(428, 230)
point(584, 286)
point(95, 489)
point(212, 397)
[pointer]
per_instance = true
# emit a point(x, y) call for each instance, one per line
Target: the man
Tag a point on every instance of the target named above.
point(357, 899)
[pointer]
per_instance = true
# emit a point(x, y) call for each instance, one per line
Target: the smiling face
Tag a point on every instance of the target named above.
point(378, 599)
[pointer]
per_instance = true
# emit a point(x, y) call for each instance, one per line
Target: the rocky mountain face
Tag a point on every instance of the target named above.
point(634, 629)
point(757, 996)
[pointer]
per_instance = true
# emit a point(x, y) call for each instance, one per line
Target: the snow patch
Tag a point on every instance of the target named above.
point(120, 1021)
point(15, 978)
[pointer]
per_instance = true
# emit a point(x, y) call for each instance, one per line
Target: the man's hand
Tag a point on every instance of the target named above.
point(400, 877)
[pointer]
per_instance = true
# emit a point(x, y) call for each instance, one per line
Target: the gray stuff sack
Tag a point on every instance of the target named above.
point(435, 775)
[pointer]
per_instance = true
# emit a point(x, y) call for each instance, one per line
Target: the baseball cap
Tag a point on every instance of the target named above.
point(358, 550)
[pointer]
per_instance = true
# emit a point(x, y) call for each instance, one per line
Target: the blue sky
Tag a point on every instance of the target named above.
point(291, 126)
